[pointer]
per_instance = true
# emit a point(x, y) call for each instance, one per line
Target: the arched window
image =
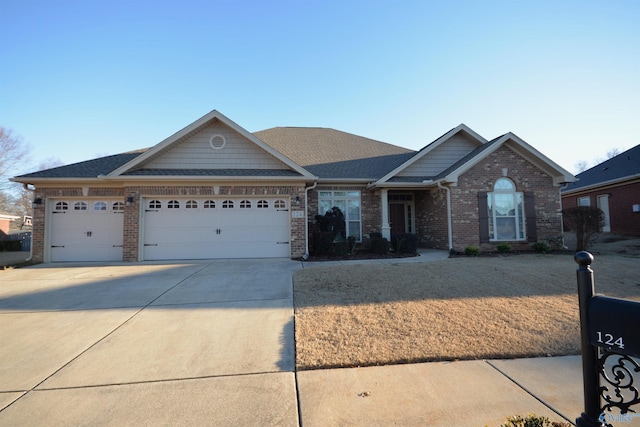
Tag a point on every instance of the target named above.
point(209, 204)
point(262, 204)
point(118, 207)
point(155, 204)
point(244, 204)
point(100, 206)
point(506, 212)
point(62, 206)
point(191, 204)
point(173, 204)
point(80, 206)
point(227, 204)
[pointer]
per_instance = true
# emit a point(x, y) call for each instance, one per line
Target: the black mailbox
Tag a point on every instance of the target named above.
point(614, 324)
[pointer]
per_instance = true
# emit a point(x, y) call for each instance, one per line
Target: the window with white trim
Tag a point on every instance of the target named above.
point(209, 204)
point(279, 204)
point(262, 204)
point(155, 204)
point(100, 206)
point(506, 212)
point(80, 206)
point(191, 204)
point(118, 207)
point(584, 201)
point(245, 204)
point(227, 204)
point(350, 205)
point(173, 204)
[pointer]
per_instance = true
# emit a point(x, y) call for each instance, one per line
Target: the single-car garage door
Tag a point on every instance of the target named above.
point(86, 230)
point(205, 228)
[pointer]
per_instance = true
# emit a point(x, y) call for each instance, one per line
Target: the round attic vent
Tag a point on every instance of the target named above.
point(217, 142)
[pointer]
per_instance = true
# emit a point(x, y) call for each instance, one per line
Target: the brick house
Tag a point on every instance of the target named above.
point(614, 187)
point(215, 190)
point(5, 224)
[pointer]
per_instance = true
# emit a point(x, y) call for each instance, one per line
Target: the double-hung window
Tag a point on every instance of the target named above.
point(506, 212)
point(349, 203)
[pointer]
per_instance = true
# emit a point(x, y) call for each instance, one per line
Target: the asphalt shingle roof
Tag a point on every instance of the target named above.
point(87, 169)
point(623, 165)
point(213, 172)
point(330, 153)
point(315, 146)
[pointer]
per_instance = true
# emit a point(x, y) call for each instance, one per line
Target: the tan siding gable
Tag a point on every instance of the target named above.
point(196, 153)
point(441, 157)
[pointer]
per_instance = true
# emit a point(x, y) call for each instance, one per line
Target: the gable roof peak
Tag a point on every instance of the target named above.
point(193, 128)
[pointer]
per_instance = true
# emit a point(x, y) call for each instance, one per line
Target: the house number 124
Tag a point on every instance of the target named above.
point(610, 340)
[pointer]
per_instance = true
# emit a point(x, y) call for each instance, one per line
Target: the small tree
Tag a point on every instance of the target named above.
point(586, 222)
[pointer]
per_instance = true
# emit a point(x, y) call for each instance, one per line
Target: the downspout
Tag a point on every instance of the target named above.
point(449, 231)
point(565, 185)
point(306, 220)
point(26, 187)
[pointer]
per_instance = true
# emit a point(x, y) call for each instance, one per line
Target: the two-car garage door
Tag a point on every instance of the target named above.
point(172, 228)
point(203, 228)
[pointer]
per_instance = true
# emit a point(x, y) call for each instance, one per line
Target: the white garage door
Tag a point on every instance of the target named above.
point(86, 230)
point(205, 228)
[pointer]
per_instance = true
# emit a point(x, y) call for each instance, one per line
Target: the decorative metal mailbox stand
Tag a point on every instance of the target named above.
point(610, 334)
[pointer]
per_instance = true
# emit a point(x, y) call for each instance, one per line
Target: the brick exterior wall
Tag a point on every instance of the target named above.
point(622, 197)
point(481, 177)
point(132, 213)
point(431, 219)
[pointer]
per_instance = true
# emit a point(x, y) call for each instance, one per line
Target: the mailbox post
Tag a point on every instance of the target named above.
point(586, 291)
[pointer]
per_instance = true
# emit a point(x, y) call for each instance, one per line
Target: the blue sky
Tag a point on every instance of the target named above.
point(82, 79)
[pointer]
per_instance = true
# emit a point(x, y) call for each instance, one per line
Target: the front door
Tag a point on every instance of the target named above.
point(397, 219)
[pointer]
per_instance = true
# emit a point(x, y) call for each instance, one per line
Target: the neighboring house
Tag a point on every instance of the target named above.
point(614, 187)
point(215, 190)
point(5, 224)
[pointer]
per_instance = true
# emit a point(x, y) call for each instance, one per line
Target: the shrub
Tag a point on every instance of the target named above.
point(351, 240)
point(504, 248)
point(586, 222)
point(11, 245)
point(472, 251)
point(532, 420)
point(541, 247)
point(405, 243)
point(340, 248)
point(380, 246)
point(322, 241)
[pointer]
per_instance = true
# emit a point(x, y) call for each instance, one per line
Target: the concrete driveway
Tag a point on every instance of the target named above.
point(200, 343)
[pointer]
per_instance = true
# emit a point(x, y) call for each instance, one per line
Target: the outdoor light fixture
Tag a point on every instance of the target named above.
point(37, 201)
point(129, 200)
point(297, 200)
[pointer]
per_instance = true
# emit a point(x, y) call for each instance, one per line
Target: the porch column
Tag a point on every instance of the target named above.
point(385, 228)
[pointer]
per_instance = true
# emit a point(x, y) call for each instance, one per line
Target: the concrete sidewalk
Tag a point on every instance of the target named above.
point(464, 393)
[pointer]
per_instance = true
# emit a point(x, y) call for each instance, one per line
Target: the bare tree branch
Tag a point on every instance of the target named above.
point(14, 155)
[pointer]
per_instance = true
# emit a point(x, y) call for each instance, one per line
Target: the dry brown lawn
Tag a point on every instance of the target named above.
point(458, 308)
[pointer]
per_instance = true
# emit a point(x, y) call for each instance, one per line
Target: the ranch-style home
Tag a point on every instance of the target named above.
point(215, 190)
